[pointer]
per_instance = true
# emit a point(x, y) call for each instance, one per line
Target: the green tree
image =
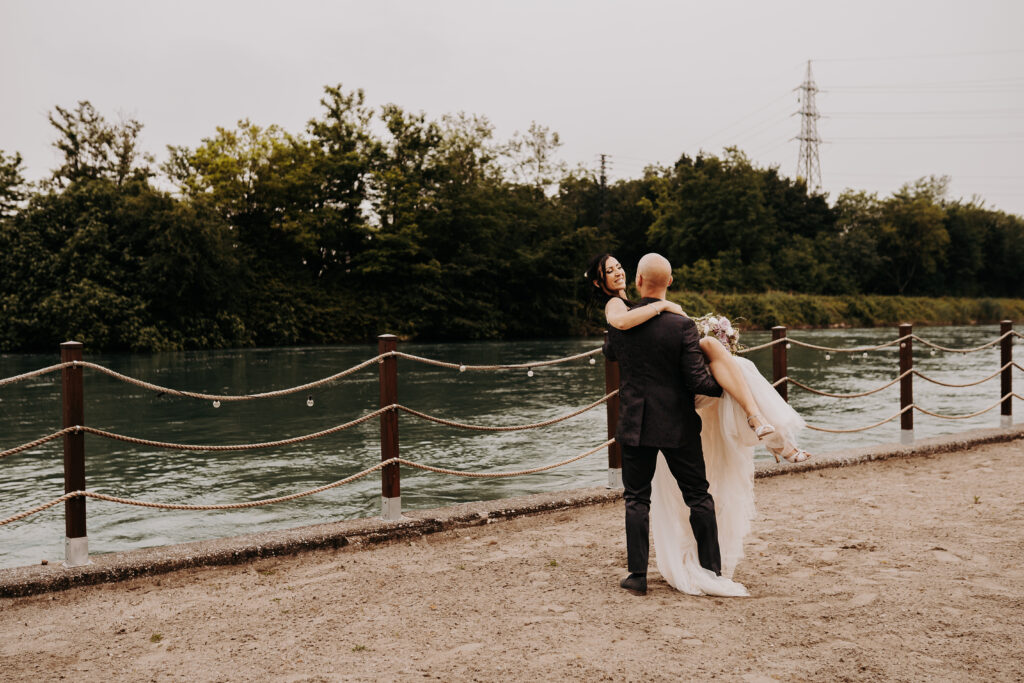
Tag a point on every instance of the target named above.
point(912, 236)
point(856, 240)
point(94, 148)
point(13, 190)
point(529, 158)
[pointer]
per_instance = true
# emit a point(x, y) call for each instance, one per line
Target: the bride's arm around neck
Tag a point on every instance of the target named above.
point(621, 317)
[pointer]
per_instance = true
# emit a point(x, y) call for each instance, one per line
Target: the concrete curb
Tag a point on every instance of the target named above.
point(31, 580)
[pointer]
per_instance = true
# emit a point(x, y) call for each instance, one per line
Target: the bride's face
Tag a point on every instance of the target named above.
point(614, 276)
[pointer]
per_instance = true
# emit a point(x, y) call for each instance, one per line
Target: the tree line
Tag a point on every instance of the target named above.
point(375, 220)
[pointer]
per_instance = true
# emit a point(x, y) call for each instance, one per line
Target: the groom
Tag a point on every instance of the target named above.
point(661, 368)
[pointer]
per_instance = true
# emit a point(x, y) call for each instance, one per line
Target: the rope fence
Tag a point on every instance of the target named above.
point(72, 367)
point(299, 439)
point(225, 398)
point(300, 494)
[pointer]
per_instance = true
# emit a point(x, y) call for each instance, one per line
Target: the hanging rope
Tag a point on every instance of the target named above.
point(965, 417)
point(293, 496)
point(37, 442)
point(965, 350)
point(512, 428)
point(762, 346)
point(853, 349)
point(857, 395)
point(34, 373)
point(914, 406)
point(291, 390)
point(305, 437)
point(513, 366)
point(969, 384)
point(226, 398)
point(197, 447)
point(861, 429)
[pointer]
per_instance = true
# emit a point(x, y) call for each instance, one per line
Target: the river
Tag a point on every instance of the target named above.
point(32, 408)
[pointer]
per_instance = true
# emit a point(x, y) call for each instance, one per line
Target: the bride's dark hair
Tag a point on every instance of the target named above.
point(595, 273)
point(599, 296)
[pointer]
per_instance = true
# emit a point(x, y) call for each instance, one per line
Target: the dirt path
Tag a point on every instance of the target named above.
point(898, 570)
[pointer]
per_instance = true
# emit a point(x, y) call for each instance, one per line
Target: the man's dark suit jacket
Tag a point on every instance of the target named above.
point(661, 368)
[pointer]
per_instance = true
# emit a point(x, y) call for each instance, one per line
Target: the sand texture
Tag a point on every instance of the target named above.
point(907, 569)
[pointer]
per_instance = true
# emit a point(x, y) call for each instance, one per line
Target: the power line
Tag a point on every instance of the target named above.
point(933, 114)
point(1009, 137)
point(949, 55)
point(787, 94)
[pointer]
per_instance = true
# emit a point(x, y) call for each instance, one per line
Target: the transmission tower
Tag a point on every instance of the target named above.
point(604, 191)
point(808, 165)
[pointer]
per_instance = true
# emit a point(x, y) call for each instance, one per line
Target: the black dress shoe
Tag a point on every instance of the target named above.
point(635, 584)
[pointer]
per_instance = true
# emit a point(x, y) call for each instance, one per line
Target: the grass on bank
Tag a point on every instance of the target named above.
point(767, 309)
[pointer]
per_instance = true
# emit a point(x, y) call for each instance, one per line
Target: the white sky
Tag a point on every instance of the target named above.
point(911, 88)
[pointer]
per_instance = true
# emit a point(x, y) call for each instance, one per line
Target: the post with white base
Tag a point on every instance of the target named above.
point(611, 383)
point(391, 498)
point(906, 384)
point(1006, 381)
point(76, 542)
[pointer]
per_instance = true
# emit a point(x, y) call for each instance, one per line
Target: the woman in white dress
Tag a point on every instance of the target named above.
point(749, 412)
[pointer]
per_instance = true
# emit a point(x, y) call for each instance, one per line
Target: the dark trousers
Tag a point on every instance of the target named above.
point(687, 466)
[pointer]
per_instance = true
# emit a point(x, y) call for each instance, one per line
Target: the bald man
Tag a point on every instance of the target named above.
point(661, 368)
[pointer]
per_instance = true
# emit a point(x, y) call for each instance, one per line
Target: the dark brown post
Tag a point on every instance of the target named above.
point(611, 383)
point(76, 543)
point(779, 362)
point(391, 499)
point(907, 383)
point(1006, 382)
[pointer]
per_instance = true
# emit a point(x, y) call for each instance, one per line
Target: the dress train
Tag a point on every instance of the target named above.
point(728, 444)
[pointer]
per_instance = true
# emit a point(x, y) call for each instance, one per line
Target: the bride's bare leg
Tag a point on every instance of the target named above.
point(727, 373)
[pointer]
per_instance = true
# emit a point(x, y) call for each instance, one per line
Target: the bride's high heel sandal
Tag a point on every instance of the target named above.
point(762, 428)
point(795, 454)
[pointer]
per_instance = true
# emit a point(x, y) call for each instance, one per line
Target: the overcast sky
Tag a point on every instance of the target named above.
point(909, 88)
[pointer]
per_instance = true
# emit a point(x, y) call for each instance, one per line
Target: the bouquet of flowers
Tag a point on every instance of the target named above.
point(719, 327)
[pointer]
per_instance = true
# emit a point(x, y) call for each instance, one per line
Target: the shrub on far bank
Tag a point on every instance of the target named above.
point(767, 309)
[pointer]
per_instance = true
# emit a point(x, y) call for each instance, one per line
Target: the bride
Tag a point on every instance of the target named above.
point(749, 412)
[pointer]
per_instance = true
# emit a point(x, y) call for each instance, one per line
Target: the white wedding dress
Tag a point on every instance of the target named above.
point(728, 445)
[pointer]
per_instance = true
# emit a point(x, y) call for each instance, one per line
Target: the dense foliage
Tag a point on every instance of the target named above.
point(382, 220)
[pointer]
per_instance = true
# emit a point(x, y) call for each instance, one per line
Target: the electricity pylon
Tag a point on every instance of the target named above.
point(808, 165)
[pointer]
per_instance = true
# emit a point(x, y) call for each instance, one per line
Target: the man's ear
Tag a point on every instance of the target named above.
point(639, 280)
point(669, 282)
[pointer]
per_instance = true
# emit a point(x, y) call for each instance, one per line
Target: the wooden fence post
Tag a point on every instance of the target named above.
point(390, 487)
point(779, 361)
point(611, 383)
point(1006, 381)
point(76, 542)
point(906, 383)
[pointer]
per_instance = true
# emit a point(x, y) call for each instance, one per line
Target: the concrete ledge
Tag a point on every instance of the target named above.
point(22, 581)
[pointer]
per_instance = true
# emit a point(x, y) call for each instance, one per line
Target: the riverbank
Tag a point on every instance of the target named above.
point(763, 310)
point(902, 569)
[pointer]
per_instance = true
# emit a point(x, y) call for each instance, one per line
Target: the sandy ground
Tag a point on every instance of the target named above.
point(897, 570)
